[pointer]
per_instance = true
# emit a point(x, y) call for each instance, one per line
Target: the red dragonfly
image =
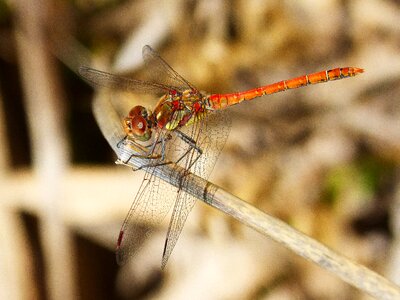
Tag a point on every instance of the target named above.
point(186, 127)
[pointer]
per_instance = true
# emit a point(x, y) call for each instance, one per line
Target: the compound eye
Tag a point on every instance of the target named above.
point(138, 111)
point(138, 126)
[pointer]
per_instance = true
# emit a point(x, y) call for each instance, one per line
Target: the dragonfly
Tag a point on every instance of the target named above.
point(186, 127)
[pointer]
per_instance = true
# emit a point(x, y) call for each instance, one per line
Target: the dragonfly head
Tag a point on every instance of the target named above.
point(137, 124)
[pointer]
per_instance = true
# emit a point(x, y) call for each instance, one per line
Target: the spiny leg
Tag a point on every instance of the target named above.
point(161, 140)
point(188, 140)
point(193, 145)
point(121, 141)
point(125, 141)
point(139, 148)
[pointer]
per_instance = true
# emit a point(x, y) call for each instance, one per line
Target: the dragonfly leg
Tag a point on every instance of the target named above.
point(126, 162)
point(122, 141)
point(126, 142)
point(188, 140)
point(162, 141)
point(153, 165)
point(163, 162)
point(193, 145)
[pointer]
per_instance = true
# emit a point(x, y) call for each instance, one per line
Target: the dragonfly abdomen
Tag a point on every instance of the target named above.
point(220, 101)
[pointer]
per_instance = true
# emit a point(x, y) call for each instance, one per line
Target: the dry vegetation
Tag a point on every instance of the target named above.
point(324, 159)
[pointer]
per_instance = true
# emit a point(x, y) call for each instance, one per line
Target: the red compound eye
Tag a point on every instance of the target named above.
point(139, 125)
point(138, 111)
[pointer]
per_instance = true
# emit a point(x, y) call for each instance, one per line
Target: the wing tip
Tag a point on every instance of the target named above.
point(120, 258)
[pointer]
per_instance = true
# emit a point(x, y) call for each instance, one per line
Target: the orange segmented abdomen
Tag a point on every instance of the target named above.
point(220, 101)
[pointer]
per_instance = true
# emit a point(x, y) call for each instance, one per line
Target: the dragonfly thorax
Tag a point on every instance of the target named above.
point(138, 124)
point(179, 109)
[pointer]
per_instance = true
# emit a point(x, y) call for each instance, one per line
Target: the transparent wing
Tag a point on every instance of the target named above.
point(152, 202)
point(211, 134)
point(104, 79)
point(182, 208)
point(162, 72)
point(163, 77)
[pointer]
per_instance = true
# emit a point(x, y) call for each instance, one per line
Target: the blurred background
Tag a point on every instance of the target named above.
point(324, 159)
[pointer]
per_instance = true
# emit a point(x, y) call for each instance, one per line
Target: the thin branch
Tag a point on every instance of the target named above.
point(349, 271)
